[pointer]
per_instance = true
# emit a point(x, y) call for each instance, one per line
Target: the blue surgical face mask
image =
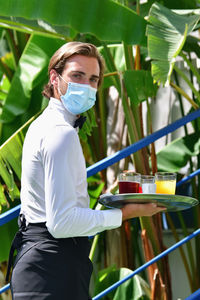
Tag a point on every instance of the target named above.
point(78, 97)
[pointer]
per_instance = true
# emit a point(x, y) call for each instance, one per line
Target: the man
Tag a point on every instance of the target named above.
point(55, 218)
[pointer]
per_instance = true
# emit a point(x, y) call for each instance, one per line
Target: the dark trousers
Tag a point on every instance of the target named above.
point(50, 269)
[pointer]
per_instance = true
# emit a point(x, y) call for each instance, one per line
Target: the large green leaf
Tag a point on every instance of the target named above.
point(107, 20)
point(139, 85)
point(88, 125)
point(166, 35)
point(10, 152)
point(10, 163)
point(95, 187)
point(175, 155)
point(36, 105)
point(135, 288)
point(31, 70)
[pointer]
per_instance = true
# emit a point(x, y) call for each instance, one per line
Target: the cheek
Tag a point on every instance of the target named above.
point(63, 87)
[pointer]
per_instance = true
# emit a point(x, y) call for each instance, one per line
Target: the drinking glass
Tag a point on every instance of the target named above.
point(129, 182)
point(148, 184)
point(165, 183)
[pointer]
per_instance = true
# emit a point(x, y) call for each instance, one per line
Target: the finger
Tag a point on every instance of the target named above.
point(163, 208)
point(155, 205)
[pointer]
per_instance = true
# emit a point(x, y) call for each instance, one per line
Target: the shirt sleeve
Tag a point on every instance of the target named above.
point(66, 198)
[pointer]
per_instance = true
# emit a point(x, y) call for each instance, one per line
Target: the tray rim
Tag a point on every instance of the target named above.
point(140, 195)
point(113, 201)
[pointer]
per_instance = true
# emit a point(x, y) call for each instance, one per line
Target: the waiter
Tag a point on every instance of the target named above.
point(55, 219)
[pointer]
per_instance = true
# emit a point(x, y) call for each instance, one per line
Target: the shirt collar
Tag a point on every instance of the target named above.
point(58, 106)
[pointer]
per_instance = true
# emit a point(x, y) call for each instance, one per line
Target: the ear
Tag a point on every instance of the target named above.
point(53, 78)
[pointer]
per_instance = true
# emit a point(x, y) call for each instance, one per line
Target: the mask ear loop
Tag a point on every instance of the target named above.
point(62, 78)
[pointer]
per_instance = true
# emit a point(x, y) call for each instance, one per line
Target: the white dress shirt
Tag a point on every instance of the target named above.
point(54, 179)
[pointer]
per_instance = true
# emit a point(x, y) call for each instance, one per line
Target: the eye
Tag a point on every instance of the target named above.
point(94, 79)
point(77, 76)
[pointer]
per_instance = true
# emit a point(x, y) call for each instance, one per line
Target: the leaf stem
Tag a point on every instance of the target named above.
point(6, 70)
point(185, 95)
point(192, 67)
point(187, 80)
point(188, 245)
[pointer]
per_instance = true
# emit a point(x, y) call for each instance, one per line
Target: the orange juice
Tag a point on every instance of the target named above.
point(166, 187)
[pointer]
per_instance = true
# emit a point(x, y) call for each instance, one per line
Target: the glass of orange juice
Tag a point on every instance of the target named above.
point(165, 183)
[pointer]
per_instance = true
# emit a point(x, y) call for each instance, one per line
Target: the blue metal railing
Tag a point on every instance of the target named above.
point(10, 215)
point(4, 288)
point(106, 162)
point(194, 296)
point(190, 176)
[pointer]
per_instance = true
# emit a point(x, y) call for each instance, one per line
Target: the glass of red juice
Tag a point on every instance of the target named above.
point(129, 182)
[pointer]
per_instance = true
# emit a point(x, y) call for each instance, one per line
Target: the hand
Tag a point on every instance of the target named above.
point(130, 211)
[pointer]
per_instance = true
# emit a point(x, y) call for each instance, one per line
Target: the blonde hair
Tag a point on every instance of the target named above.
point(60, 57)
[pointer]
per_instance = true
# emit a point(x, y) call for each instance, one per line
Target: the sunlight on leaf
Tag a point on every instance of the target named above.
point(10, 163)
point(32, 68)
point(175, 155)
point(166, 36)
point(65, 20)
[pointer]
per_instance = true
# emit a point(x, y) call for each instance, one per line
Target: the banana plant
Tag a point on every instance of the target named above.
point(159, 33)
point(43, 31)
point(67, 21)
point(167, 30)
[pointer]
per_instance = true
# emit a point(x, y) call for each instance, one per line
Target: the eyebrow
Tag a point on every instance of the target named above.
point(83, 73)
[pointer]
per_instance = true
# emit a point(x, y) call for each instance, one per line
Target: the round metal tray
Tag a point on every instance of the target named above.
point(171, 202)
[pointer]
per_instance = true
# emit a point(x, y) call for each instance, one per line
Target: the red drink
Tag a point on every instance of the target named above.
point(128, 187)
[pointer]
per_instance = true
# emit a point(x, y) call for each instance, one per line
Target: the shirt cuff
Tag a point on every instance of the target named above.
point(112, 218)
